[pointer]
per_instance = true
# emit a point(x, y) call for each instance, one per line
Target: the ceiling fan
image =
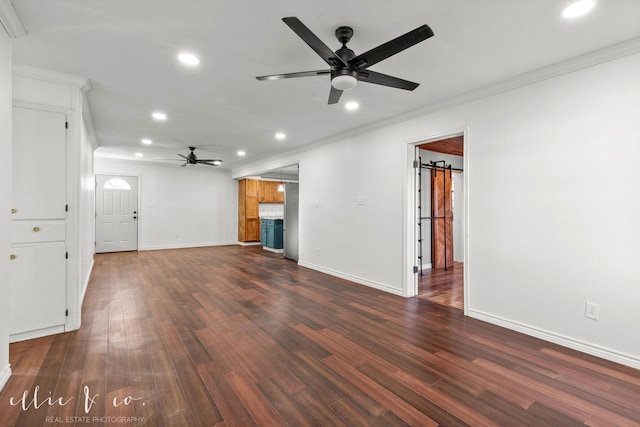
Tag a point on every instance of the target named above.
point(347, 68)
point(192, 159)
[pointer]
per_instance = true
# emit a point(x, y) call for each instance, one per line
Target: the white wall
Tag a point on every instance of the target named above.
point(181, 207)
point(86, 205)
point(568, 234)
point(5, 198)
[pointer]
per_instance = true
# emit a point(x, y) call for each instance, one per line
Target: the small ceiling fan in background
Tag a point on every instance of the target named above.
point(191, 159)
point(347, 68)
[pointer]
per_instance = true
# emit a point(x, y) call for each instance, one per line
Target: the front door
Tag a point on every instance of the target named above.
point(116, 213)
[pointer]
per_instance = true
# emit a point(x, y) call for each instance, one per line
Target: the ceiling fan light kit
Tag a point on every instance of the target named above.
point(347, 68)
point(344, 82)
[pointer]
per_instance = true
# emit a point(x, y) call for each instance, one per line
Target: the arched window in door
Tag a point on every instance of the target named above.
point(116, 184)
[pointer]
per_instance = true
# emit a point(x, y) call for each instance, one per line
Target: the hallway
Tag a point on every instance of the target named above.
point(445, 287)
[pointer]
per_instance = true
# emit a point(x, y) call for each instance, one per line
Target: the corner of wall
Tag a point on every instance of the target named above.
point(5, 374)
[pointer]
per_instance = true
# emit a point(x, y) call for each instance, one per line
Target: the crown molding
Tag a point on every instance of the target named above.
point(82, 83)
point(10, 20)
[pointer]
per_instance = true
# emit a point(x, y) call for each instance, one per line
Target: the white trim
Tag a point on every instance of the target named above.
point(248, 243)
point(11, 21)
point(565, 341)
point(86, 284)
point(4, 376)
point(187, 245)
point(39, 333)
point(88, 120)
point(355, 279)
point(410, 284)
point(29, 71)
point(277, 251)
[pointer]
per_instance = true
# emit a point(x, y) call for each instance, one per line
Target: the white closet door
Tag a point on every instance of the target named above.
point(37, 298)
point(39, 153)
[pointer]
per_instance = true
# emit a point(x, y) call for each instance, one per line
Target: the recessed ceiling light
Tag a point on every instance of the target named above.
point(139, 154)
point(280, 135)
point(578, 8)
point(188, 59)
point(159, 116)
point(146, 141)
point(352, 106)
point(242, 153)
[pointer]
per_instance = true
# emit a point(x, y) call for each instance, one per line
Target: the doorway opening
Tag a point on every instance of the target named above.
point(440, 213)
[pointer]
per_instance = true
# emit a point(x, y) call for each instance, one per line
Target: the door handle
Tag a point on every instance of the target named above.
point(12, 256)
point(36, 229)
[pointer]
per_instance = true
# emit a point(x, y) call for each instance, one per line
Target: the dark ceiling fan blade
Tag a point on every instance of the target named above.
point(334, 95)
point(386, 80)
point(292, 75)
point(184, 157)
point(207, 163)
point(391, 47)
point(313, 41)
point(184, 164)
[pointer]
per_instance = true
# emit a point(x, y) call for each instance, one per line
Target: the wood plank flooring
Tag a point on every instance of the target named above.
point(442, 286)
point(237, 336)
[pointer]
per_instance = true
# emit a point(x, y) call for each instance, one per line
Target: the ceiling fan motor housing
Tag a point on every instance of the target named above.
point(344, 34)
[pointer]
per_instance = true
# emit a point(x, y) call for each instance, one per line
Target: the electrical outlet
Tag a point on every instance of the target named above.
point(592, 310)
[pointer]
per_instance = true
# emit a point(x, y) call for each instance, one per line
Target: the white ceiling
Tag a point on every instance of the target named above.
point(128, 49)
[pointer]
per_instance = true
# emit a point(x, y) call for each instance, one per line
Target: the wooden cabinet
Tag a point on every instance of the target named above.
point(248, 213)
point(268, 192)
point(274, 234)
point(250, 194)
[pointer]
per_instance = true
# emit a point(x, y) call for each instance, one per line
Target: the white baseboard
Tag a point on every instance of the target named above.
point(39, 333)
point(248, 243)
point(585, 347)
point(355, 279)
point(5, 374)
point(86, 283)
point(278, 251)
point(185, 246)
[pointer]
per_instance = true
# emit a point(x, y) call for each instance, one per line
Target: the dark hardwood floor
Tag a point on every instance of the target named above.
point(442, 286)
point(237, 336)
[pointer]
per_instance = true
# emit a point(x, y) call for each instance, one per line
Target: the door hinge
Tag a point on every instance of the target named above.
point(416, 164)
point(66, 208)
point(66, 255)
point(66, 125)
point(415, 268)
point(66, 313)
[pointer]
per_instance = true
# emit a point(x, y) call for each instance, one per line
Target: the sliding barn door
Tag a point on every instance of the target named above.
point(442, 229)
